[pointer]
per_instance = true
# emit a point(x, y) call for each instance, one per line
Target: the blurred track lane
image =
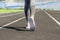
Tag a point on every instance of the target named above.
point(46, 29)
point(54, 19)
point(55, 14)
point(5, 20)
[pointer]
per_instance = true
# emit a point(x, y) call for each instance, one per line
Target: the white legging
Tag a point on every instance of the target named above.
point(32, 8)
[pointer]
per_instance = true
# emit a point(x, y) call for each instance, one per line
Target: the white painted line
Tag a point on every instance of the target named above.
point(12, 22)
point(10, 15)
point(52, 17)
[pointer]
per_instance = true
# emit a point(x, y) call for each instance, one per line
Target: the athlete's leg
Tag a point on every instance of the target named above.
point(32, 9)
point(28, 23)
point(26, 9)
point(33, 13)
point(27, 4)
point(32, 20)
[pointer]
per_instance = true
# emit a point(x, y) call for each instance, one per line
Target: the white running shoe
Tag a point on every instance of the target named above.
point(28, 25)
point(1, 27)
point(31, 25)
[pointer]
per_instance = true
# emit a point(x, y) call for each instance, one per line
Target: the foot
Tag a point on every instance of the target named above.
point(1, 27)
point(31, 29)
point(30, 25)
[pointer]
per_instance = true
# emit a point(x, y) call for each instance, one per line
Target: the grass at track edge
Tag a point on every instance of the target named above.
point(9, 11)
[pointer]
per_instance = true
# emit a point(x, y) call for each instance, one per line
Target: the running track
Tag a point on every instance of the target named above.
point(47, 26)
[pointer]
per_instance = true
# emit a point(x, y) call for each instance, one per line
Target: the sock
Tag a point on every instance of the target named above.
point(28, 25)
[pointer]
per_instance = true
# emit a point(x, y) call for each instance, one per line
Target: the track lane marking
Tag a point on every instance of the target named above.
point(12, 22)
point(52, 17)
point(10, 15)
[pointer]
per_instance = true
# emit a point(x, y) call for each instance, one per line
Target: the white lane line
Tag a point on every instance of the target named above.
point(12, 22)
point(10, 15)
point(52, 17)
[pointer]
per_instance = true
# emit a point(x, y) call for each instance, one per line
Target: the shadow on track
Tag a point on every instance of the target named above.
point(17, 28)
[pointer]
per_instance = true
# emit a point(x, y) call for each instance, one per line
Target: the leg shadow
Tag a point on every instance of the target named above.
point(18, 28)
